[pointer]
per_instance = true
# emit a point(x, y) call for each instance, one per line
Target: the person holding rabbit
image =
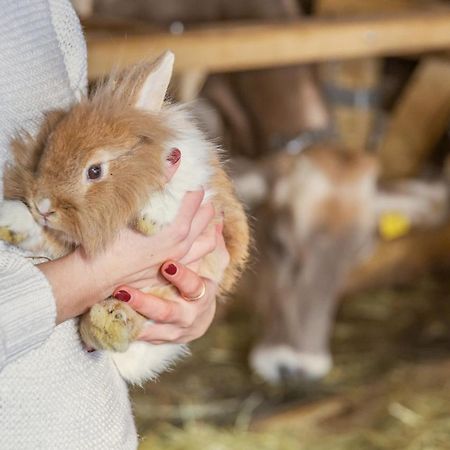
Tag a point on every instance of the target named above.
point(54, 394)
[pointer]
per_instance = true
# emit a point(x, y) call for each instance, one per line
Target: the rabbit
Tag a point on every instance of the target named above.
point(98, 167)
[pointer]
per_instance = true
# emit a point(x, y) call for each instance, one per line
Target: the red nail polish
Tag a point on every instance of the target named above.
point(174, 156)
point(171, 269)
point(123, 296)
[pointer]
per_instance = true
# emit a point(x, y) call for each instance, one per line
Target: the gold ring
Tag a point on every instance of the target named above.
point(197, 297)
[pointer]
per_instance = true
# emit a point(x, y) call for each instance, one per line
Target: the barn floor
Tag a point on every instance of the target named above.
point(389, 390)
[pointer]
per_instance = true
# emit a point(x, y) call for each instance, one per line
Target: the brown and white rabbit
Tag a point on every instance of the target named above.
point(99, 167)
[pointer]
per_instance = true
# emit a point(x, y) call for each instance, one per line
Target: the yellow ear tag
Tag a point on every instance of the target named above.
point(393, 225)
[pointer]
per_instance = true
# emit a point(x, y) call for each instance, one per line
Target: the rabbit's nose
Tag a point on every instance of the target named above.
point(44, 207)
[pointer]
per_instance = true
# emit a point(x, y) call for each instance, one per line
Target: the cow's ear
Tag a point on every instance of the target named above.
point(250, 181)
point(404, 204)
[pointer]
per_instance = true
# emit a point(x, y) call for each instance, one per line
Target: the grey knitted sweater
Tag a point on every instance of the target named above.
point(53, 395)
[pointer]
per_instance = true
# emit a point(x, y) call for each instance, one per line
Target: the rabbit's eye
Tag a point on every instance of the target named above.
point(94, 172)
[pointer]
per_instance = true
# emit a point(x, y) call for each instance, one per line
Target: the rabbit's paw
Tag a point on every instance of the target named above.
point(146, 225)
point(11, 237)
point(17, 225)
point(110, 325)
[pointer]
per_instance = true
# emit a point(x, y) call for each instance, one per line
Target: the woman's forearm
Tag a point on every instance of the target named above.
point(27, 307)
point(75, 285)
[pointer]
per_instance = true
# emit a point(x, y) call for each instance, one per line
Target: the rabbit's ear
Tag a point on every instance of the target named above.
point(152, 92)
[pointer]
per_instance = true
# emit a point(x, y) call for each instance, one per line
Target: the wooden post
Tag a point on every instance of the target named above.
point(84, 8)
point(189, 84)
point(420, 118)
point(352, 86)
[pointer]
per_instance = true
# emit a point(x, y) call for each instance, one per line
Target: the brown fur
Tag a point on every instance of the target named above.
point(53, 166)
point(235, 227)
point(50, 166)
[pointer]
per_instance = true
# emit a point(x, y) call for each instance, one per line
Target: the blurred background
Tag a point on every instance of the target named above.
point(334, 116)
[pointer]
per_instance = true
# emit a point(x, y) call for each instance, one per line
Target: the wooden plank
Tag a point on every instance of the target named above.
point(419, 120)
point(303, 415)
point(217, 48)
point(403, 260)
point(331, 7)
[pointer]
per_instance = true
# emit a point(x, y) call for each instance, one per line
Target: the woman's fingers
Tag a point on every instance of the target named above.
point(200, 222)
point(177, 320)
point(222, 251)
point(193, 321)
point(189, 284)
point(180, 228)
point(191, 222)
point(202, 246)
point(166, 333)
point(150, 306)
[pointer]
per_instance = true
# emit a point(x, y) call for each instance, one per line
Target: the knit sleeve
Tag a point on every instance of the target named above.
point(27, 307)
point(43, 60)
point(71, 43)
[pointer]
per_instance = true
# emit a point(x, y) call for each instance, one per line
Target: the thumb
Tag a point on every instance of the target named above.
point(150, 306)
point(189, 284)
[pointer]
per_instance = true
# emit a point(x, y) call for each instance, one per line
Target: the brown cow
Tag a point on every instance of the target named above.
point(316, 219)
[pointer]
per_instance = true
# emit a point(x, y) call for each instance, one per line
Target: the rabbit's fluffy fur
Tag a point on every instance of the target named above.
point(127, 130)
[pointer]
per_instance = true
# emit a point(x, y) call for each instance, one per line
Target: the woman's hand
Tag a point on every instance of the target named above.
point(178, 320)
point(133, 259)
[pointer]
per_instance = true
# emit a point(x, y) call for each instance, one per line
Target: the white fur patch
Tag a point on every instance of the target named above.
point(194, 170)
point(251, 187)
point(16, 217)
point(274, 363)
point(423, 203)
point(143, 361)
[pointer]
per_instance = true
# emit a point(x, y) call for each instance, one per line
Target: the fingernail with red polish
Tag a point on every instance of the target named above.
point(171, 269)
point(174, 156)
point(123, 296)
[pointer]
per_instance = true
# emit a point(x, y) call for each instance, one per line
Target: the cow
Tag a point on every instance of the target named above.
point(316, 217)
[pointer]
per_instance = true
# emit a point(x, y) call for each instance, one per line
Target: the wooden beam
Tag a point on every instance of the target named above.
point(419, 120)
point(337, 7)
point(218, 48)
point(403, 260)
